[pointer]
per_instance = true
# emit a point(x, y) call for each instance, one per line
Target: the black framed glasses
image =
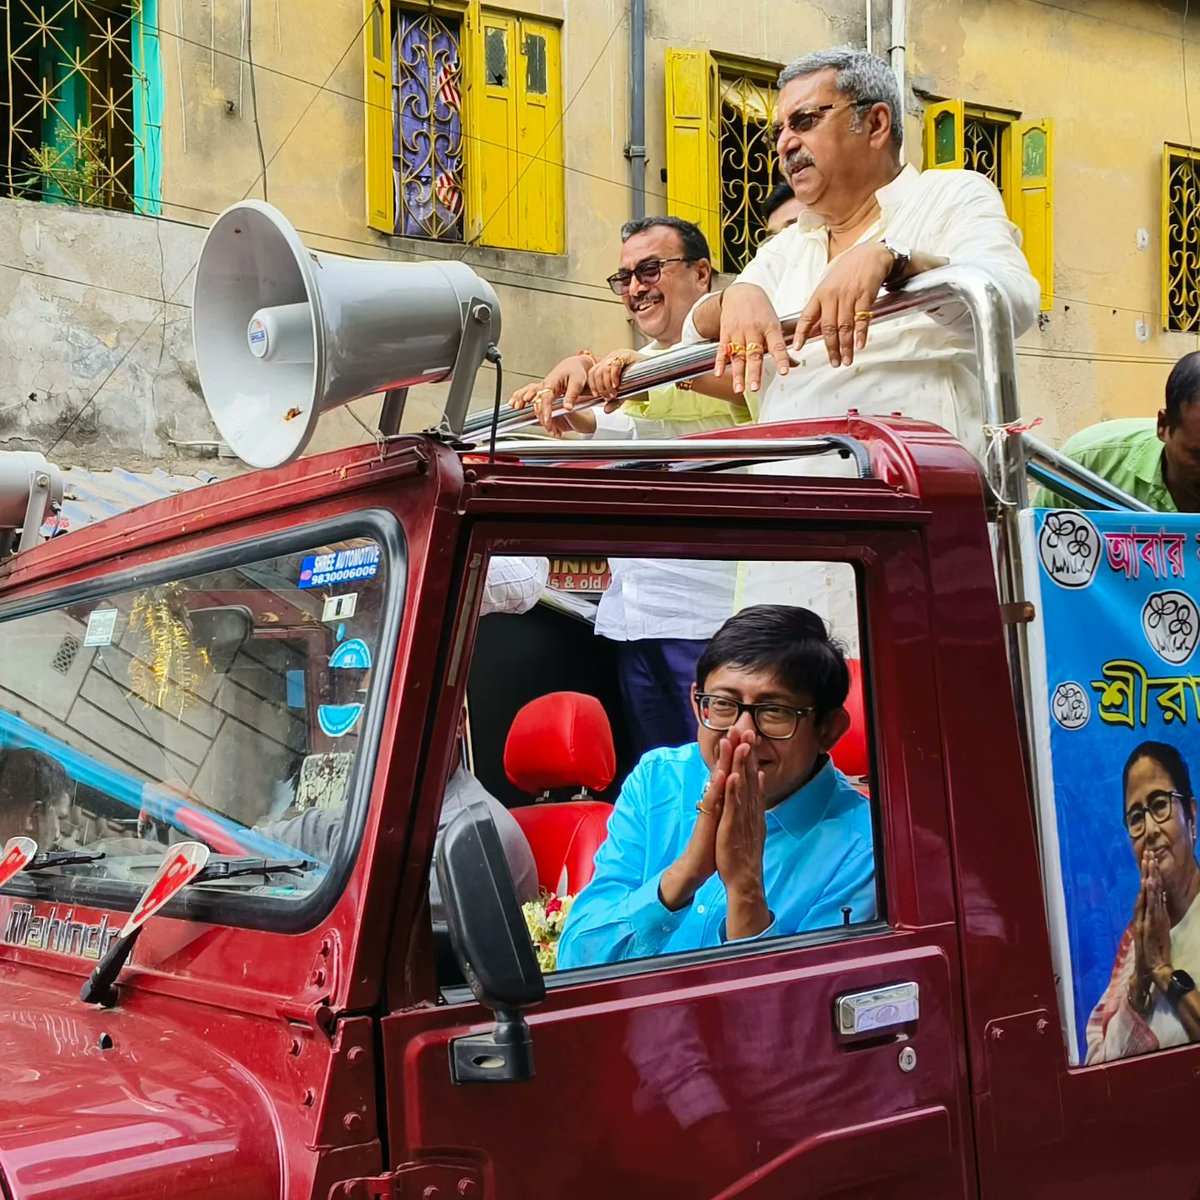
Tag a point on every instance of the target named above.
point(804, 120)
point(775, 721)
point(648, 272)
point(1158, 805)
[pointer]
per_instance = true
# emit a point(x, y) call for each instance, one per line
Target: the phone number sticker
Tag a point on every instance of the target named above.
point(343, 566)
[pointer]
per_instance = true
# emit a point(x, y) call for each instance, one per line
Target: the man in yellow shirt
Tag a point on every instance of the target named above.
point(665, 268)
point(657, 614)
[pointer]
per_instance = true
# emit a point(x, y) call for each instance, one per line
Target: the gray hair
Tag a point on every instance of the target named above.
point(860, 76)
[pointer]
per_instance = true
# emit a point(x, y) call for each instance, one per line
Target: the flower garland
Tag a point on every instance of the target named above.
point(545, 918)
point(168, 668)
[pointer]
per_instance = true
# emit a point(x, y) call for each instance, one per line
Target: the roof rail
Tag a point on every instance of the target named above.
point(970, 286)
point(655, 450)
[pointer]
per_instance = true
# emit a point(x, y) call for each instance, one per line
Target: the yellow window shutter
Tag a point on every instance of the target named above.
point(497, 112)
point(1032, 199)
point(944, 146)
point(377, 91)
point(537, 75)
point(693, 142)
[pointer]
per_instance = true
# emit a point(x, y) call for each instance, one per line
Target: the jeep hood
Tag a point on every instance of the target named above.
point(109, 1104)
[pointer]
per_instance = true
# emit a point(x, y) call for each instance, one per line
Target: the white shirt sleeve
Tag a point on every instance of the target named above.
point(614, 425)
point(975, 230)
point(514, 584)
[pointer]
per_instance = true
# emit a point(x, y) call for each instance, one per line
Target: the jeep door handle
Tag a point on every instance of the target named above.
point(879, 1010)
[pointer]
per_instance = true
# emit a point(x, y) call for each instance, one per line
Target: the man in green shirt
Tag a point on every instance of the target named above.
point(1156, 461)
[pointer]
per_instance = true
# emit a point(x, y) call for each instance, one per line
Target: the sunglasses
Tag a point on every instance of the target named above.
point(803, 120)
point(647, 272)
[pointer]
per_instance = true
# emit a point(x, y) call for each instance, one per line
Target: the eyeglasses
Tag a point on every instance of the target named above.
point(1158, 805)
point(804, 119)
point(647, 272)
point(776, 721)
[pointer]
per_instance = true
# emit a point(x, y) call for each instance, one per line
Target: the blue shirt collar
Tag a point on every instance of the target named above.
point(800, 812)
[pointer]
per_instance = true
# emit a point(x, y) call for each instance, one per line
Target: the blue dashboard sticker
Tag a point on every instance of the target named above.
point(342, 566)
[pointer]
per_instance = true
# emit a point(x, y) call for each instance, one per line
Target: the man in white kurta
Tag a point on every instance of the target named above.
point(869, 223)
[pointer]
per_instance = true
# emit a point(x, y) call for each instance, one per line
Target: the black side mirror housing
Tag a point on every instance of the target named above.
point(491, 943)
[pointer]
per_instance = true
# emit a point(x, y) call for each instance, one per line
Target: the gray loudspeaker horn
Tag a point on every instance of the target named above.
point(283, 333)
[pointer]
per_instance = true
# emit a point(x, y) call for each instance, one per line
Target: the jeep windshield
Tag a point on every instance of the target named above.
point(227, 701)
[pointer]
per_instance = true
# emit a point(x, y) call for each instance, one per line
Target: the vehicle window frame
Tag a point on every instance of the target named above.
point(212, 906)
point(492, 546)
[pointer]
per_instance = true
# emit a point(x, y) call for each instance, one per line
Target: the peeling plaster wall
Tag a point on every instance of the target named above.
point(84, 309)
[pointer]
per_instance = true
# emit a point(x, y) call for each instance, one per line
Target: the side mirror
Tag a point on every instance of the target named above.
point(491, 943)
point(222, 631)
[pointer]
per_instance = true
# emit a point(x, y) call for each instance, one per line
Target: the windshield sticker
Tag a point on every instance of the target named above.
point(336, 720)
point(343, 566)
point(100, 626)
point(354, 655)
point(338, 608)
point(58, 934)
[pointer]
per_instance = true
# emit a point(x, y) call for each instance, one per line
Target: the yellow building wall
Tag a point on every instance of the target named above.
point(1108, 76)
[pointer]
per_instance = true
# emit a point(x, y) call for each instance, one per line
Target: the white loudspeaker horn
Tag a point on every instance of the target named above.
point(283, 333)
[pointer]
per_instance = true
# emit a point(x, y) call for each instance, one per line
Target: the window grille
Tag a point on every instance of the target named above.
point(64, 656)
point(427, 102)
point(983, 148)
point(1181, 239)
point(747, 166)
point(74, 109)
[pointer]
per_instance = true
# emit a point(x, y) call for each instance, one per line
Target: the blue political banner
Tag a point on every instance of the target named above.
point(1116, 718)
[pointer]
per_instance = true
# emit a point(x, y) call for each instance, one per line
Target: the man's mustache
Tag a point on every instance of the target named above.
point(795, 159)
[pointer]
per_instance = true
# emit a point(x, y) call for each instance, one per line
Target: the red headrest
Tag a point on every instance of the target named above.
point(560, 740)
point(849, 753)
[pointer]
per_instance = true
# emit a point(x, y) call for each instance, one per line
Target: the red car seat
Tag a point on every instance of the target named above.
point(562, 740)
point(849, 753)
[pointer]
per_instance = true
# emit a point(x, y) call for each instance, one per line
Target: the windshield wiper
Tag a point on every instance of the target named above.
point(61, 858)
point(183, 864)
point(228, 868)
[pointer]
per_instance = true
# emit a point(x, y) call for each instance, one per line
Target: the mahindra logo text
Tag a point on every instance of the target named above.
point(62, 935)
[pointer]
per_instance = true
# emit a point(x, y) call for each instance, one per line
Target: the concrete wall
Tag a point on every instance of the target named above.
point(1107, 73)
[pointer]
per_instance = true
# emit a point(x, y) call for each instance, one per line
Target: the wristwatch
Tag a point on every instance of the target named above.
point(1181, 983)
point(901, 256)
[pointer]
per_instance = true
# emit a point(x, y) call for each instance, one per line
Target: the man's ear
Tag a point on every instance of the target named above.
point(704, 273)
point(1164, 427)
point(879, 125)
point(832, 728)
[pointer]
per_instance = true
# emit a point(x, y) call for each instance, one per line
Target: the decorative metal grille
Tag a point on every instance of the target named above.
point(1181, 242)
point(747, 165)
point(68, 113)
point(983, 148)
point(428, 153)
point(64, 656)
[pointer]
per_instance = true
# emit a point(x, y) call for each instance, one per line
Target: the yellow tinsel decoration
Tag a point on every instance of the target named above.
point(168, 668)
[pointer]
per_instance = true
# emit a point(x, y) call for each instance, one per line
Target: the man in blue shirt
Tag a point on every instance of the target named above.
point(748, 832)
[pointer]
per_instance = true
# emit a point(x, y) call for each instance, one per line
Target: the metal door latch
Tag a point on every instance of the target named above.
point(877, 1010)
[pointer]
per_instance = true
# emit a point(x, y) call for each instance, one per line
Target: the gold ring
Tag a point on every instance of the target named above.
point(733, 349)
point(708, 812)
point(543, 392)
point(753, 347)
point(863, 314)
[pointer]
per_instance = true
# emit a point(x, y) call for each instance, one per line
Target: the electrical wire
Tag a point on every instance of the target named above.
point(262, 158)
